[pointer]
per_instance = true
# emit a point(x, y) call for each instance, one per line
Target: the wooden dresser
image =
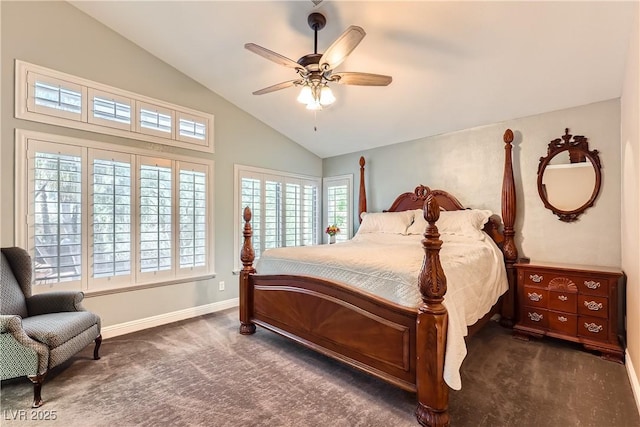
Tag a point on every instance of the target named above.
point(578, 303)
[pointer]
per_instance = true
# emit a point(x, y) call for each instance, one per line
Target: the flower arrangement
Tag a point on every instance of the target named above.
point(332, 230)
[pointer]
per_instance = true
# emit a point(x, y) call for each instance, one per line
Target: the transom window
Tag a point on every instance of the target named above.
point(49, 96)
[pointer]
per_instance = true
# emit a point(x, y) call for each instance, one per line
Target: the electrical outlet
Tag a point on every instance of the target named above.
point(221, 286)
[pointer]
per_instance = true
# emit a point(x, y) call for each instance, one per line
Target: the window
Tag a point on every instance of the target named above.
point(193, 215)
point(49, 96)
point(156, 215)
point(111, 209)
point(57, 215)
point(108, 109)
point(154, 120)
point(102, 217)
point(55, 97)
point(192, 129)
point(338, 196)
point(284, 207)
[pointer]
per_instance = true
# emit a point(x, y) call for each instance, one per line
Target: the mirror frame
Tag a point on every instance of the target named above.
point(579, 146)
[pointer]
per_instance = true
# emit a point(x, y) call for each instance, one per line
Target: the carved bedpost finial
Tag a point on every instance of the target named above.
point(247, 254)
point(433, 283)
point(508, 136)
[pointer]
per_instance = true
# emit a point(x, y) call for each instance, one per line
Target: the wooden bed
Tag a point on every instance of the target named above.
point(403, 346)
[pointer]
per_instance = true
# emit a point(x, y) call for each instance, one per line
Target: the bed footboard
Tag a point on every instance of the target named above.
point(401, 345)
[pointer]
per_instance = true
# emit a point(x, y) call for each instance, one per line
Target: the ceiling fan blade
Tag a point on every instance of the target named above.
point(272, 56)
point(278, 86)
point(341, 48)
point(362, 79)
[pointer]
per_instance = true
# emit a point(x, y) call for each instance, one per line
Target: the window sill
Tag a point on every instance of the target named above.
point(129, 288)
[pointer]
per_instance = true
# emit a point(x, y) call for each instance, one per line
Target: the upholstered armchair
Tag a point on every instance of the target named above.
point(38, 332)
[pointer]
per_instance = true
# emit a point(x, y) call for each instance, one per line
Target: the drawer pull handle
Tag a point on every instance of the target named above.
point(535, 317)
point(591, 284)
point(592, 327)
point(536, 278)
point(562, 298)
point(562, 318)
point(593, 306)
point(535, 297)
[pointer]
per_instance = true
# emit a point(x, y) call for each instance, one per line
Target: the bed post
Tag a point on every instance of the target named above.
point(247, 255)
point(431, 328)
point(362, 200)
point(509, 246)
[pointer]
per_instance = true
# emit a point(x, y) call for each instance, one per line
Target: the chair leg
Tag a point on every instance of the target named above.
point(98, 340)
point(37, 381)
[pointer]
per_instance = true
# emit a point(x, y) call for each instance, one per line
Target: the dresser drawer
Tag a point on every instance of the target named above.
point(535, 317)
point(563, 322)
point(536, 297)
point(593, 327)
point(536, 278)
point(591, 305)
point(563, 301)
point(591, 286)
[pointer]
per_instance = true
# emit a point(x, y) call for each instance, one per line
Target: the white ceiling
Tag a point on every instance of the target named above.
point(455, 65)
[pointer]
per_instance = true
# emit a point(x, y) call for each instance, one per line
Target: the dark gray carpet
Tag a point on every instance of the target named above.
point(201, 372)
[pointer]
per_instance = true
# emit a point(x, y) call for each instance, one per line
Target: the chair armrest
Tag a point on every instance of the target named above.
point(12, 325)
point(55, 302)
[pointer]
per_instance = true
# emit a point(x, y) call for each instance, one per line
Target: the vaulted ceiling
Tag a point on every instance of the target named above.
point(455, 65)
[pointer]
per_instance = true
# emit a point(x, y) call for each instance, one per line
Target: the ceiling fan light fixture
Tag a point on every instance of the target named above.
point(326, 95)
point(306, 95)
point(314, 105)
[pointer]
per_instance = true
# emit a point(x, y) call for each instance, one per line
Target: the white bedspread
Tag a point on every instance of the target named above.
point(388, 265)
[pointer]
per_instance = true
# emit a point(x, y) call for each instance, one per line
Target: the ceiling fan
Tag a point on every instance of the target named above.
point(316, 70)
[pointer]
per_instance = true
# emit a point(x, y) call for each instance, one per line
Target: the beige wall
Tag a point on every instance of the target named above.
point(469, 164)
point(81, 46)
point(630, 132)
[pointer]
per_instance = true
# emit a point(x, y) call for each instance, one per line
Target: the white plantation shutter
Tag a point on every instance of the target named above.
point(292, 213)
point(111, 214)
point(55, 97)
point(154, 120)
point(310, 215)
point(192, 239)
point(155, 190)
point(56, 213)
point(110, 110)
point(272, 218)
point(338, 196)
point(193, 129)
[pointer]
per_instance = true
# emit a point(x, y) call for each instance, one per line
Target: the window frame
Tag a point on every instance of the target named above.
point(90, 149)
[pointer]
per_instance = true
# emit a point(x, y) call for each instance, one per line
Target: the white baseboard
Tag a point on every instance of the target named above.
point(633, 378)
point(163, 319)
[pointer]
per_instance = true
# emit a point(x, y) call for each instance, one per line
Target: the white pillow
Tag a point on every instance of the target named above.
point(385, 222)
point(467, 222)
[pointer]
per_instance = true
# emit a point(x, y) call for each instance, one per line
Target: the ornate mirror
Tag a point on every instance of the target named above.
point(569, 177)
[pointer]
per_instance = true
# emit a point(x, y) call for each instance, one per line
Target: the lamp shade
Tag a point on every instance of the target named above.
point(306, 95)
point(326, 96)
